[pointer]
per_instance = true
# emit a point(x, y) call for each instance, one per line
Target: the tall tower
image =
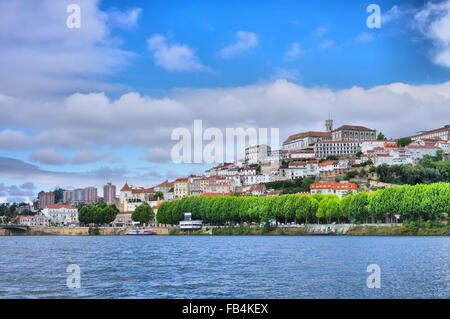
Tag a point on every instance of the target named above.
point(329, 124)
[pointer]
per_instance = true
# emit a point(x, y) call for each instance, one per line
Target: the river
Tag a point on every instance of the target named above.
point(224, 266)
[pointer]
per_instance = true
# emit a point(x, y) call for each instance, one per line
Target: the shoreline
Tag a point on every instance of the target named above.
point(308, 230)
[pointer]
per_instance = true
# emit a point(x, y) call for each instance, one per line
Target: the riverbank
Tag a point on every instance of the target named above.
point(308, 230)
point(77, 231)
point(322, 229)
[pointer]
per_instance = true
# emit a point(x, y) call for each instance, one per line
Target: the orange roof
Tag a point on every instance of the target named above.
point(61, 206)
point(126, 187)
point(325, 163)
point(307, 134)
point(181, 180)
point(165, 184)
point(297, 164)
point(333, 185)
point(353, 127)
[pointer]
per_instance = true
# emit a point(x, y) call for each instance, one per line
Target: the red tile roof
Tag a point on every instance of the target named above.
point(126, 187)
point(333, 185)
point(353, 127)
point(61, 206)
point(308, 134)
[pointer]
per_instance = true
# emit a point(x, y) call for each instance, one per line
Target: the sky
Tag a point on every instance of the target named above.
point(86, 106)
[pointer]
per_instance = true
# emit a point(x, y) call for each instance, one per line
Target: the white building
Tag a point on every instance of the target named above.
point(340, 189)
point(442, 133)
point(257, 154)
point(61, 215)
point(337, 148)
point(306, 140)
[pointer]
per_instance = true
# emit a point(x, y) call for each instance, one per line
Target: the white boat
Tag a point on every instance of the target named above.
point(139, 232)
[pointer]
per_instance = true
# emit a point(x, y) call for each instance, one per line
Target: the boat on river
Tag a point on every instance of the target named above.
point(138, 232)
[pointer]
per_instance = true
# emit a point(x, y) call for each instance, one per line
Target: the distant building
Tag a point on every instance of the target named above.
point(78, 196)
point(68, 196)
point(442, 133)
point(353, 133)
point(257, 154)
point(61, 215)
point(340, 189)
point(109, 193)
point(181, 188)
point(166, 188)
point(32, 220)
point(90, 195)
point(337, 148)
point(46, 199)
point(306, 140)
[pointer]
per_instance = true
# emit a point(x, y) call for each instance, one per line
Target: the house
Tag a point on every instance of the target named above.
point(61, 215)
point(340, 189)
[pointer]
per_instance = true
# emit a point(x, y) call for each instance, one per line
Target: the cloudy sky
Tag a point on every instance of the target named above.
point(85, 106)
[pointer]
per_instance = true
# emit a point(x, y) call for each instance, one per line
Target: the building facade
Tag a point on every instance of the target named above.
point(442, 133)
point(353, 133)
point(46, 199)
point(306, 140)
point(109, 193)
point(61, 215)
point(257, 154)
point(337, 148)
point(340, 189)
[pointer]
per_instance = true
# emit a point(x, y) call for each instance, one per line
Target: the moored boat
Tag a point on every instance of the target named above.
point(139, 232)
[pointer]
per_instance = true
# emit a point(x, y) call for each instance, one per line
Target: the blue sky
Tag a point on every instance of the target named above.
point(96, 104)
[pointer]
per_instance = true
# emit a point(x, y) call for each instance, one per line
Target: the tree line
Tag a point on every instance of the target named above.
point(430, 169)
point(99, 214)
point(410, 203)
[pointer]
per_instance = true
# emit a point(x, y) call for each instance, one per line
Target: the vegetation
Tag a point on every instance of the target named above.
point(98, 214)
point(430, 169)
point(402, 142)
point(143, 214)
point(411, 203)
point(381, 137)
point(291, 186)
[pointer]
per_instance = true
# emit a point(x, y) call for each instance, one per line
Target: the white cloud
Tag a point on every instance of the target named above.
point(173, 57)
point(294, 51)
point(90, 121)
point(245, 41)
point(126, 19)
point(364, 37)
point(319, 32)
point(14, 140)
point(433, 20)
point(39, 55)
point(84, 157)
point(48, 156)
point(327, 44)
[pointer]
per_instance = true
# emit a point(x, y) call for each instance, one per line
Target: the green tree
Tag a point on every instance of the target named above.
point(381, 137)
point(143, 214)
point(402, 142)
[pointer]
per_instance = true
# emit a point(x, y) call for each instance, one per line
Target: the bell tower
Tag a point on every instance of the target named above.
point(329, 124)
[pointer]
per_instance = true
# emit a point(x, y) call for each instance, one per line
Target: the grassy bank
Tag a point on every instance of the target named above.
point(411, 229)
point(404, 230)
point(242, 230)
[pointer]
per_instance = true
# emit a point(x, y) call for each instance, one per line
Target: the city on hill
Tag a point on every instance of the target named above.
point(335, 164)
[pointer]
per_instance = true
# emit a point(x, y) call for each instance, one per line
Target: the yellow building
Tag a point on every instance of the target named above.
point(181, 187)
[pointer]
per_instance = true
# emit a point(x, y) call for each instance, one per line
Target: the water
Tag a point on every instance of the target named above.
point(224, 267)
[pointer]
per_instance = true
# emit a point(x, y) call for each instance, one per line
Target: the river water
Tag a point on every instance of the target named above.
point(224, 266)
